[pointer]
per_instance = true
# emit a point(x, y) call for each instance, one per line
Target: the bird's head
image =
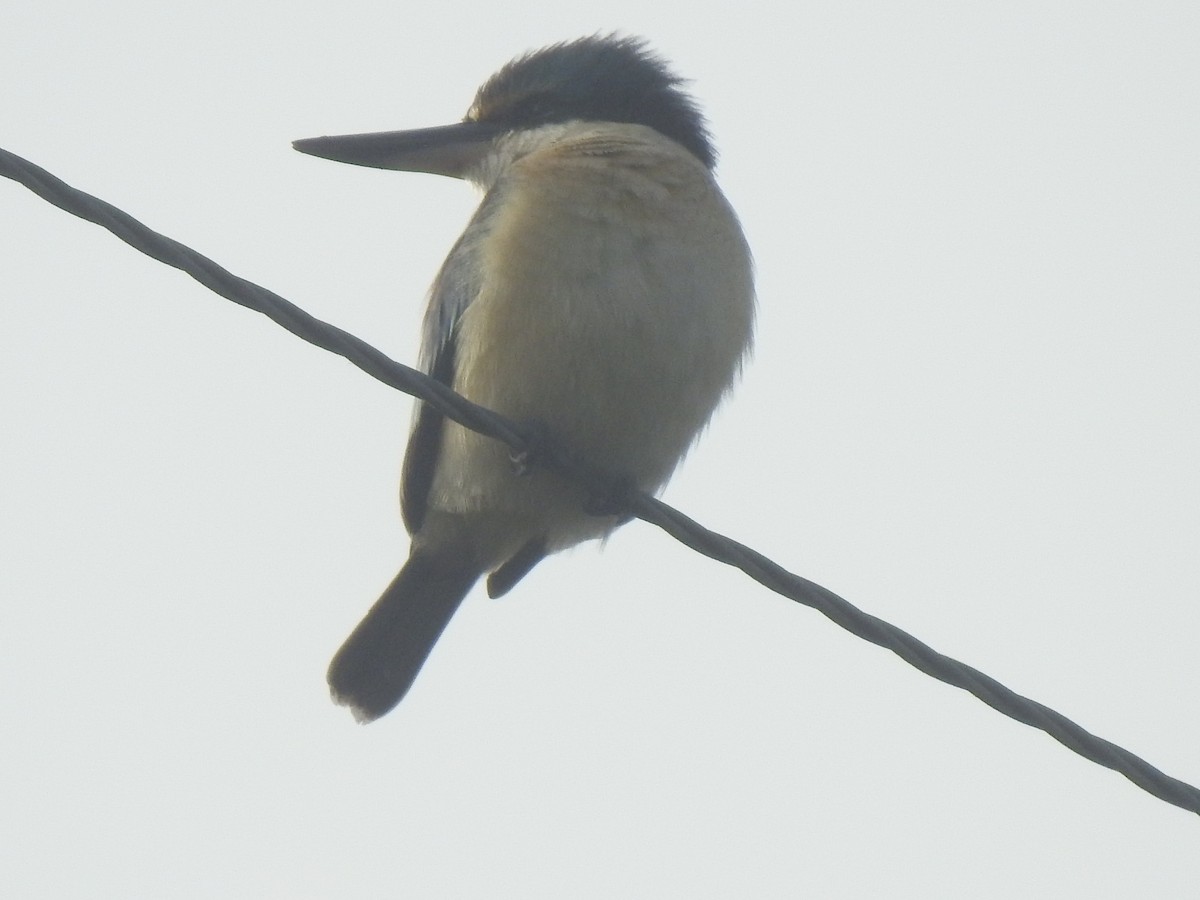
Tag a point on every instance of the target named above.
point(592, 79)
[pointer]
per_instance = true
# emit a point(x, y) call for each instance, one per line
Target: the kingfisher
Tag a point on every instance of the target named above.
point(603, 290)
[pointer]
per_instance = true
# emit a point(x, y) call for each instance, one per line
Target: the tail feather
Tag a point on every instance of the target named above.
point(378, 663)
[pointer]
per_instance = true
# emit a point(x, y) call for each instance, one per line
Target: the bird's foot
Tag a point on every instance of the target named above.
point(609, 496)
point(537, 436)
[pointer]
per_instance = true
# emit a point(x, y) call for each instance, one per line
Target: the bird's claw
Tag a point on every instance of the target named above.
point(609, 497)
point(536, 436)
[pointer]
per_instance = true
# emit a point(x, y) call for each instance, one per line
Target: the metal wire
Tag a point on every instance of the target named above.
point(675, 523)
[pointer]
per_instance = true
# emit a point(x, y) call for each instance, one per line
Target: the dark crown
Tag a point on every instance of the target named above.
point(594, 79)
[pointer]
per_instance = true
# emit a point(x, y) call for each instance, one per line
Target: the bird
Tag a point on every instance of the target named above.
point(603, 291)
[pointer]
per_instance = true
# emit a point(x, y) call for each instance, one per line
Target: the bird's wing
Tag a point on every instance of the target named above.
point(455, 287)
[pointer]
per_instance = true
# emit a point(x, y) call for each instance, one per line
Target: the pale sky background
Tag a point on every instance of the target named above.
point(974, 411)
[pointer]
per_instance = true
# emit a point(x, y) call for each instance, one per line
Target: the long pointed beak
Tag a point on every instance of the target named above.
point(451, 150)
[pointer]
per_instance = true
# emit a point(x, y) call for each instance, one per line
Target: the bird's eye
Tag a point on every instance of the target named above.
point(534, 108)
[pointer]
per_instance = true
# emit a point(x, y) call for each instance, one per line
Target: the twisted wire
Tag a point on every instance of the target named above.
point(692, 534)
